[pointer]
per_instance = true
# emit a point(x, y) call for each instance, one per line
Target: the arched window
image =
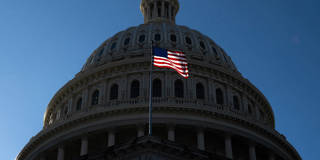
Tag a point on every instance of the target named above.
point(219, 96)
point(173, 38)
point(172, 12)
point(178, 88)
point(95, 98)
point(135, 89)
point(142, 38)
point(261, 114)
point(113, 46)
point(157, 37)
point(79, 104)
point(114, 92)
point(202, 45)
point(215, 52)
point(167, 9)
point(188, 40)
point(65, 109)
point(126, 41)
point(101, 52)
point(156, 88)
point(200, 91)
point(236, 103)
point(151, 11)
point(159, 9)
point(250, 107)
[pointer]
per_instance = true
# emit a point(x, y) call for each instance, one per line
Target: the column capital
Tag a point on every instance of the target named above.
point(141, 125)
point(227, 135)
point(200, 129)
point(61, 146)
point(171, 125)
point(111, 130)
point(252, 143)
point(85, 135)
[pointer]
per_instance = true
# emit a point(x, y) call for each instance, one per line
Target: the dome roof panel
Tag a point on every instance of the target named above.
point(165, 35)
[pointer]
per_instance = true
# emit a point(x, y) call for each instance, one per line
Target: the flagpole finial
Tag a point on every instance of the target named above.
point(159, 10)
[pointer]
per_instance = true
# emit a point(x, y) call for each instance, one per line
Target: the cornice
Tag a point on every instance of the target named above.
point(57, 128)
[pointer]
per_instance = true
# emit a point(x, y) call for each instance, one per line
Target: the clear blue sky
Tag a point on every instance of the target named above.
point(274, 43)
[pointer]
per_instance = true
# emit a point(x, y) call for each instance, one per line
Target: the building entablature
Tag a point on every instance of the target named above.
point(114, 117)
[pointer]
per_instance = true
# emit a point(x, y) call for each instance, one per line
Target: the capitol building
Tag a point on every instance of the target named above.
point(102, 113)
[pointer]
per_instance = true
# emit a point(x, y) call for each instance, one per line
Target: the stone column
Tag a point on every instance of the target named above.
point(272, 156)
point(252, 152)
point(200, 139)
point(171, 133)
point(162, 9)
point(60, 155)
point(169, 8)
point(140, 130)
point(111, 138)
point(256, 108)
point(84, 146)
point(103, 94)
point(85, 99)
point(229, 96)
point(245, 104)
point(70, 104)
point(155, 9)
point(42, 157)
point(228, 146)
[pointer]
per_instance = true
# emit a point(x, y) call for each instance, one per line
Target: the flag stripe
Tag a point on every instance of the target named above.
point(171, 59)
point(162, 60)
point(168, 66)
point(173, 67)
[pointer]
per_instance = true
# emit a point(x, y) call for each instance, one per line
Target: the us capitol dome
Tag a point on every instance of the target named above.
point(102, 113)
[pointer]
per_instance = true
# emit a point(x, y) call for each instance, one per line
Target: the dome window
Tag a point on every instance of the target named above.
point(159, 9)
point(58, 114)
point(142, 38)
point(126, 41)
point(236, 103)
point(114, 92)
point(151, 10)
point(157, 37)
point(173, 38)
point(261, 114)
point(135, 89)
point(178, 88)
point(156, 88)
point(188, 40)
point(200, 91)
point(219, 96)
point(101, 52)
point(113, 46)
point(202, 45)
point(214, 51)
point(65, 110)
point(79, 104)
point(95, 98)
point(167, 9)
point(250, 108)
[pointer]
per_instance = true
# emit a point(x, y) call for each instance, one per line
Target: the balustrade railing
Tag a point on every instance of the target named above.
point(165, 102)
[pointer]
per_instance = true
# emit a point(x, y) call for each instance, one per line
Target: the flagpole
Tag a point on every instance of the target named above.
point(150, 93)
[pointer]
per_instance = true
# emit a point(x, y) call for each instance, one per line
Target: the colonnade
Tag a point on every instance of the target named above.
point(171, 135)
point(167, 10)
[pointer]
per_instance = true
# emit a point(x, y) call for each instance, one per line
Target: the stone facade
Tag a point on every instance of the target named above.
point(103, 112)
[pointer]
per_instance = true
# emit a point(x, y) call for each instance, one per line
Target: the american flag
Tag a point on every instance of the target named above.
point(164, 58)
